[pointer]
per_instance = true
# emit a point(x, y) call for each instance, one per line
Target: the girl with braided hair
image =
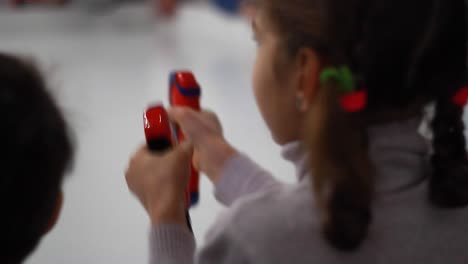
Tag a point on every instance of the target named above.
point(342, 85)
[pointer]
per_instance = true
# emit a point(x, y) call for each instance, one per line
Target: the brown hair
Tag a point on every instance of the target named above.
point(405, 53)
point(36, 152)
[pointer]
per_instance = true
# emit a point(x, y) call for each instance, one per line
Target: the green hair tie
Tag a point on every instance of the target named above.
point(341, 75)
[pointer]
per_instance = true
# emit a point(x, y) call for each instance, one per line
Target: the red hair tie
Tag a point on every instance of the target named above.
point(354, 102)
point(461, 97)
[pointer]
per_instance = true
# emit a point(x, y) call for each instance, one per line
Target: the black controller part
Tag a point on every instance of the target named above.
point(159, 144)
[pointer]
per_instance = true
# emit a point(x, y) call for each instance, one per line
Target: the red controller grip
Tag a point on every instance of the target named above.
point(159, 137)
point(185, 91)
point(157, 129)
point(158, 132)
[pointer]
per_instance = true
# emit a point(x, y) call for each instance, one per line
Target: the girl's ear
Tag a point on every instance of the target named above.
point(309, 67)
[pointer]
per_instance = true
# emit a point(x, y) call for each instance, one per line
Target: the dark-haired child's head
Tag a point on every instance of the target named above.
point(404, 53)
point(35, 154)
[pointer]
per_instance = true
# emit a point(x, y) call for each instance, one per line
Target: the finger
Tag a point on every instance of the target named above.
point(129, 176)
point(188, 120)
point(141, 151)
point(212, 120)
point(135, 156)
point(196, 160)
point(181, 115)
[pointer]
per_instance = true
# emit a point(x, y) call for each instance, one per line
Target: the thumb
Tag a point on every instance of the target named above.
point(184, 151)
point(187, 119)
point(180, 114)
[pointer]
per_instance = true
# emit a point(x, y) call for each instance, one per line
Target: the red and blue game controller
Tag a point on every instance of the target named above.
point(185, 91)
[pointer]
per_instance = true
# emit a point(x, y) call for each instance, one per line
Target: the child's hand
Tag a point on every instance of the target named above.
point(204, 130)
point(159, 182)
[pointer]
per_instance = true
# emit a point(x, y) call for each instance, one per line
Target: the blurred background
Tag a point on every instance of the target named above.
point(105, 61)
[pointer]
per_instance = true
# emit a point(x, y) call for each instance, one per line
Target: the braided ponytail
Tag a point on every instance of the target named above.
point(449, 181)
point(341, 168)
point(340, 162)
point(445, 44)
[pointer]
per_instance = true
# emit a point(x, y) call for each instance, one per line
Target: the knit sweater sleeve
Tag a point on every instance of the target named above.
point(240, 177)
point(174, 244)
point(224, 243)
point(171, 244)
